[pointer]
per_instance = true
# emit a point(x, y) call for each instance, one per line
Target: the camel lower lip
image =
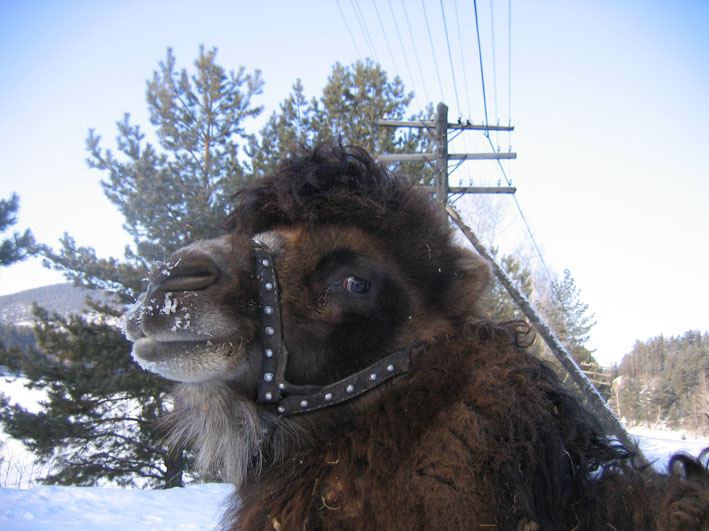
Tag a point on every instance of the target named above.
point(150, 350)
point(188, 361)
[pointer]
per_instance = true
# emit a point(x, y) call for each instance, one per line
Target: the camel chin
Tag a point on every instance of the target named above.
point(189, 361)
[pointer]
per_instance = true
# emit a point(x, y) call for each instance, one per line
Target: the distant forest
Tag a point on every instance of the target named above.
point(666, 382)
point(17, 336)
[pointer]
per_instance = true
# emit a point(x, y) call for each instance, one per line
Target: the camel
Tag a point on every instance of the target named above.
point(334, 363)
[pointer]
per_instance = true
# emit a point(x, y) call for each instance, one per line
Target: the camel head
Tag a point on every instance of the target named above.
point(360, 267)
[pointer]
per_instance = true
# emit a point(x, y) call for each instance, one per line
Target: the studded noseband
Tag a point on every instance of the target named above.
point(291, 399)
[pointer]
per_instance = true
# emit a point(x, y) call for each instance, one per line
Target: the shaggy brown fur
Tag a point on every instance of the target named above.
point(479, 435)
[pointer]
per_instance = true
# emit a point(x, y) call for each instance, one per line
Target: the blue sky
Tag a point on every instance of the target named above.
point(609, 101)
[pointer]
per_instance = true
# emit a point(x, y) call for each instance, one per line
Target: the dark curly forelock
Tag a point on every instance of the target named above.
point(327, 184)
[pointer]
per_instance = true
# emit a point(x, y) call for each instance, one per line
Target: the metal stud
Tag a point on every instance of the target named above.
point(268, 395)
point(265, 262)
point(281, 386)
point(268, 377)
point(270, 330)
point(390, 368)
point(268, 310)
point(268, 352)
point(281, 409)
point(328, 396)
point(350, 388)
point(303, 403)
point(268, 286)
point(372, 377)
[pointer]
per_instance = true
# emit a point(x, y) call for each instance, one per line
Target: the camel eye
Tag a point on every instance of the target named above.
point(355, 285)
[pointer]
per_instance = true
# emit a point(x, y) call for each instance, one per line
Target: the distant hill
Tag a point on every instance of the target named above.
point(64, 299)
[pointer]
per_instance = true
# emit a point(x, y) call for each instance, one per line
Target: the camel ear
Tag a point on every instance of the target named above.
point(472, 280)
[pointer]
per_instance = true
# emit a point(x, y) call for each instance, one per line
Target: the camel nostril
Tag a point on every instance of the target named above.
point(186, 275)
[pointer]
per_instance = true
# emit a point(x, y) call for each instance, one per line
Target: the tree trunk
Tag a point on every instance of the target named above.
point(175, 463)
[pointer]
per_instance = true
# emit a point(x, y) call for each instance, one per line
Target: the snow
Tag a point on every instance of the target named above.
point(168, 266)
point(77, 508)
point(659, 445)
point(193, 507)
point(170, 305)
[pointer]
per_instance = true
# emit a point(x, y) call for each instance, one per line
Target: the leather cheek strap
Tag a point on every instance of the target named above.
point(290, 399)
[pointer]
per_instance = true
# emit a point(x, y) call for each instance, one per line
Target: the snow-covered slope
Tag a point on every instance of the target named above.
point(63, 299)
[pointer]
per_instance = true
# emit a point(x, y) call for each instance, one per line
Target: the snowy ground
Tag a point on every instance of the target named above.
point(82, 508)
point(658, 445)
point(193, 507)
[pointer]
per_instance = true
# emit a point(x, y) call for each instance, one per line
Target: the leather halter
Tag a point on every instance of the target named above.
point(291, 399)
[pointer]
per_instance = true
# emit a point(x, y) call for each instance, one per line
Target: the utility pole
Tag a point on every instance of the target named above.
point(442, 152)
point(441, 157)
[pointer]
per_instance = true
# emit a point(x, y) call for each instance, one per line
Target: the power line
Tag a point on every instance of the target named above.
point(499, 163)
point(433, 51)
point(480, 55)
point(494, 61)
point(365, 31)
point(482, 77)
point(374, 3)
point(413, 44)
point(524, 220)
point(462, 57)
point(509, 64)
point(450, 57)
point(403, 51)
point(347, 25)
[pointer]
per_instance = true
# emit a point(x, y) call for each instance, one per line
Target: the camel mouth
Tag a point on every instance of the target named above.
point(190, 360)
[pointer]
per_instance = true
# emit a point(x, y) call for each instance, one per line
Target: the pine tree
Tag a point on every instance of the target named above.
point(100, 419)
point(294, 125)
point(569, 318)
point(182, 193)
point(18, 246)
point(14, 248)
point(352, 100)
point(700, 405)
point(501, 306)
point(566, 315)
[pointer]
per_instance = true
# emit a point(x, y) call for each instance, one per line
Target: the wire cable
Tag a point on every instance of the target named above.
point(450, 58)
point(462, 57)
point(347, 25)
point(365, 31)
point(482, 72)
point(413, 44)
point(406, 60)
point(499, 163)
point(524, 220)
point(391, 55)
point(433, 51)
point(509, 71)
point(494, 68)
